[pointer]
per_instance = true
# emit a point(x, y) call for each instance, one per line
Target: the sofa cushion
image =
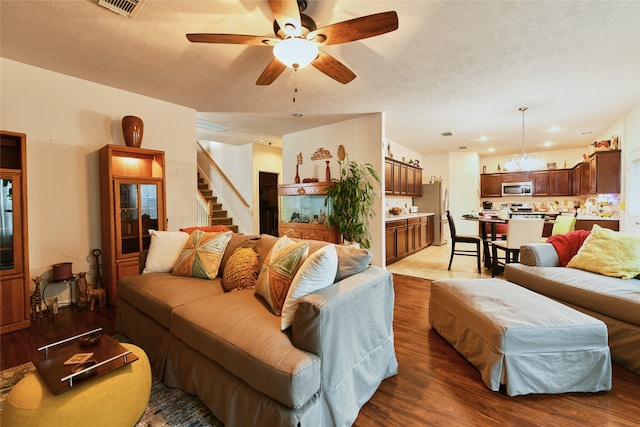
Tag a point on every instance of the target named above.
point(206, 229)
point(610, 253)
point(238, 241)
point(237, 331)
point(164, 249)
point(202, 254)
point(567, 245)
point(156, 294)
point(278, 270)
point(610, 296)
point(241, 271)
point(317, 272)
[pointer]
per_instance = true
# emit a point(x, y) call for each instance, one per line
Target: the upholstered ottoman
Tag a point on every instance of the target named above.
point(515, 337)
point(116, 399)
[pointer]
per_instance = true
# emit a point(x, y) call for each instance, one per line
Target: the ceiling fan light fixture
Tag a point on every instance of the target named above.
point(295, 52)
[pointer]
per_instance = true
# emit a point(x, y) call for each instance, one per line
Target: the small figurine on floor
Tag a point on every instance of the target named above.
point(36, 299)
point(83, 298)
point(55, 305)
point(95, 294)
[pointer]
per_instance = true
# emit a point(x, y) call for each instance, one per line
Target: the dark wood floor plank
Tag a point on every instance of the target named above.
point(435, 385)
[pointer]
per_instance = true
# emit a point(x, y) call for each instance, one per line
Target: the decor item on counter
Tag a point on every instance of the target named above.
point(395, 211)
point(327, 173)
point(36, 299)
point(320, 154)
point(523, 162)
point(351, 199)
point(132, 130)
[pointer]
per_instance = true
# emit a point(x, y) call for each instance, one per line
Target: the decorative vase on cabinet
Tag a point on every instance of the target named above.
point(132, 131)
point(132, 198)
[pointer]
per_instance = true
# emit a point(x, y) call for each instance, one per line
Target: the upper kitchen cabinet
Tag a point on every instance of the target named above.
point(491, 185)
point(402, 179)
point(604, 172)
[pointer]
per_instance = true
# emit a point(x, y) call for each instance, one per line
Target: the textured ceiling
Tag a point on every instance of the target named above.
point(457, 66)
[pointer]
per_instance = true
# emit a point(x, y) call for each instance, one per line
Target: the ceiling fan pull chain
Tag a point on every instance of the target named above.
point(295, 84)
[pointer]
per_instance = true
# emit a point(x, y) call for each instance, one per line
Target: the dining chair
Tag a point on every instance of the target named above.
point(462, 238)
point(562, 224)
point(520, 231)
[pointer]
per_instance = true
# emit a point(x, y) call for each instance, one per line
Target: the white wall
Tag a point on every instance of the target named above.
point(67, 120)
point(363, 141)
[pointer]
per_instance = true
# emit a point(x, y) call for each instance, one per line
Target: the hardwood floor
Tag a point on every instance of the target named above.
point(435, 386)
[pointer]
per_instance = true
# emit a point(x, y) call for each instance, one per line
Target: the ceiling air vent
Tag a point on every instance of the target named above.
point(127, 8)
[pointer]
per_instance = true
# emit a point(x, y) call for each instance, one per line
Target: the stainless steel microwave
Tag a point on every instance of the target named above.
point(517, 189)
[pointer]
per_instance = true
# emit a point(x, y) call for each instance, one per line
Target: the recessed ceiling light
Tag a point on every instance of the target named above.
point(446, 133)
point(484, 138)
point(297, 115)
point(548, 144)
point(491, 150)
point(554, 129)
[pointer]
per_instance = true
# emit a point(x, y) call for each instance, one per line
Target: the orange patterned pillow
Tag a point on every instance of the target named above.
point(277, 272)
point(241, 270)
point(201, 255)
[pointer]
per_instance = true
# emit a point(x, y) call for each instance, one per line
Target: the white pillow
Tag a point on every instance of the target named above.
point(317, 272)
point(164, 249)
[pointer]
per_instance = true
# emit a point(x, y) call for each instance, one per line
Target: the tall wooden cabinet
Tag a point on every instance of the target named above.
point(132, 201)
point(15, 285)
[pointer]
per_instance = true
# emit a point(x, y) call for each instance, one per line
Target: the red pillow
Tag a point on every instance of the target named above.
point(567, 245)
point(207, 229)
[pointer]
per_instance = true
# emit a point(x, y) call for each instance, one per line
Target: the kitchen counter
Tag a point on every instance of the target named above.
point(391, 217)
point(587, 217)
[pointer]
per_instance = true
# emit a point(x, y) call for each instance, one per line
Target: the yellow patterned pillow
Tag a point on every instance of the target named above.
point(277, 272)
point(241, 270)
point(609, 253)
point(201, 255)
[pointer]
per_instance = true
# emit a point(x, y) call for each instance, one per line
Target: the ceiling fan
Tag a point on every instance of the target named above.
point(298, 39)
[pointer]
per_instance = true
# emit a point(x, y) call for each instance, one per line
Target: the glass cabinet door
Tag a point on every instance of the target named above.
point(10, 232)
point(138, 213)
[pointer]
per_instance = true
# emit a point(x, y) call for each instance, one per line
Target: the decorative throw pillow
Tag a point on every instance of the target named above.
point(351, 260)
point(206, 229)
point(164, 249)
point(241, 270)
point(609, 253)
point(201, 255)
point(567, 245)
point(278, 270)
point(317, 272)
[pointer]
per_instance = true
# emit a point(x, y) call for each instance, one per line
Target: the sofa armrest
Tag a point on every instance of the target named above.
point(539, 255)
point(348, 324)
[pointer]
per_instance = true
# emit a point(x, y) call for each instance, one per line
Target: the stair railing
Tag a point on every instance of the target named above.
point(234, 203)
point(204, 210)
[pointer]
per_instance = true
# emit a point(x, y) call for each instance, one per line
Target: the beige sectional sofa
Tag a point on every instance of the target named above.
point(613, 300)
point(228, 347)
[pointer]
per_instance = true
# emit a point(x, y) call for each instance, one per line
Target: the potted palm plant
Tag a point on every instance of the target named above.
point(351, 199)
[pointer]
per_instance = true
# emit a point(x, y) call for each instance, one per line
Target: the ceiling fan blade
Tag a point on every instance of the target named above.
point(333, 68)
point(287, 14)
point(271, 72)
point(355, 29)
point(232, 39)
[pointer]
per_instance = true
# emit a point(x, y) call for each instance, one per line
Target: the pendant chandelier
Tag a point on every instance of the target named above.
point(523, 162)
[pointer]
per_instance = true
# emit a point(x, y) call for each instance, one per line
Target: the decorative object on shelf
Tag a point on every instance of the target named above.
point(416, 163)
point(615, 142)
point(552, 165)
point(298, 163)
point(132, 130)
point(351, 199)
point(523, 161)
point(484, 169)
point(305, 180)
point(341, 152)
point(36, 299)
point(321, 154)
point(327, 172)
point(62, 271)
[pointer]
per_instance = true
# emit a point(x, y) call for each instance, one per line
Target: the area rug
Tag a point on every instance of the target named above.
point(167, 406)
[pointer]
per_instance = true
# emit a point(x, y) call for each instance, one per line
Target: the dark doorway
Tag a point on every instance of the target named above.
point(268, 187)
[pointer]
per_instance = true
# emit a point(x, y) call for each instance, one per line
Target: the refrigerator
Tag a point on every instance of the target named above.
point(434, 199)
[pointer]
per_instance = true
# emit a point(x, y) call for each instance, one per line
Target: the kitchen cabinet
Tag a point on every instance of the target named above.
point(576, 179)
point(604, 172)
point(132, 199)
point(406, 236)
point(541, 185)
point(15, 284)
point(303, 212)
point(560, 182)
point(491, 185)
point(402, 179)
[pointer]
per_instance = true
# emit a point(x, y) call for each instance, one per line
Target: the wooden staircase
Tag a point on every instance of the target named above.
point(218, 215)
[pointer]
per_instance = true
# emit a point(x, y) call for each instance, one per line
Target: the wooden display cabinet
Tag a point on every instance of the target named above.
point(15, 285)
point(132, 199)
point(303, 213)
